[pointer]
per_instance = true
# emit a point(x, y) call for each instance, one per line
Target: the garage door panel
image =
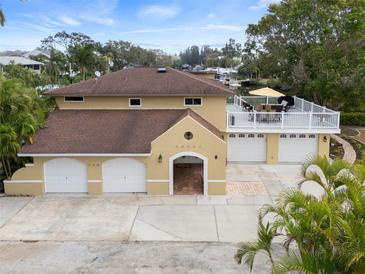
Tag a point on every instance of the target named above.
point(65, 175)
point(297, 148)
point(246, 147)
point(124, 175)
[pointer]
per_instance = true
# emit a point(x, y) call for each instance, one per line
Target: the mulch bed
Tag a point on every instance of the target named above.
point(361, 137)
point(336, 150)
point(347, 131)
point(359, 149)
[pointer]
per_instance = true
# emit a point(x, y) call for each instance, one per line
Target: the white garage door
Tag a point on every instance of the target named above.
point(124, 175)
point(65, 175)
point(246, 147)
point(297, 148)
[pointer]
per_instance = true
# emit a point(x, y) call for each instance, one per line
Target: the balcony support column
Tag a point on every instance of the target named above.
point(272, 148)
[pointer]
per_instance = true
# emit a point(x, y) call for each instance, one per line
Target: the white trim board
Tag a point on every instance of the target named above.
point(22, 181)
point(84, 154)
point(278, 130)
point(158, 181)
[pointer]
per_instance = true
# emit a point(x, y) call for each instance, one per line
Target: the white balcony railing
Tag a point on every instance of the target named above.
point(303, 115)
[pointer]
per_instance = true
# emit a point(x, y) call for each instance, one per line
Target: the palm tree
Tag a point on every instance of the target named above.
point(84, 57)
point(2, 18)
point(322, 234)
point(248, 251)
point(22, 112)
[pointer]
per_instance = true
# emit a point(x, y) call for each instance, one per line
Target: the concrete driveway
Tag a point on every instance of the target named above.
point(130, 219)
point(230, 218)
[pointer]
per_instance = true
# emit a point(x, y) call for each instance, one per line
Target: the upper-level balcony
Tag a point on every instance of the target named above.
point(265, 114)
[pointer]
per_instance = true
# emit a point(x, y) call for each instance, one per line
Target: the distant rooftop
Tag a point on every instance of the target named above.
point(37, 52)
point(6, 60)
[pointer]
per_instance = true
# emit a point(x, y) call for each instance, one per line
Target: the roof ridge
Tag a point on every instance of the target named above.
point(84, 81)
point(191, 113)
point(200, 79)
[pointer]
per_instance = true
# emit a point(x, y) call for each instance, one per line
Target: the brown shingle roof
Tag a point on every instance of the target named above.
point(106, 131)
point(145, 81)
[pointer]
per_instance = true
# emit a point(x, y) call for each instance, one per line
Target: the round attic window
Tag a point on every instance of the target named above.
point(188, 135)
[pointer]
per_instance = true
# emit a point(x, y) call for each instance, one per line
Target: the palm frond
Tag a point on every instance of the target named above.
point(2, 18)
point(248, 251)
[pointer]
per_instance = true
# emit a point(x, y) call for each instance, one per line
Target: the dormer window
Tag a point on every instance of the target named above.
point(74, 99)
point(135, 102)
point(193, 101)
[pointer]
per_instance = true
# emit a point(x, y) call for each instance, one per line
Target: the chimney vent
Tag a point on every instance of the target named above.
point(161, 70)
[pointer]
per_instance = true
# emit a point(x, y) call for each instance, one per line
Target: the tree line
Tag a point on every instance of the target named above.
point(315, 48)
point(77, 52)
point(227, 56)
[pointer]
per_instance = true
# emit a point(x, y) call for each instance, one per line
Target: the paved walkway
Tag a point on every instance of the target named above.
point(349, 152)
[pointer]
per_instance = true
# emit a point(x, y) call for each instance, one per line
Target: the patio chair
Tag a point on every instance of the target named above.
point(285, 105)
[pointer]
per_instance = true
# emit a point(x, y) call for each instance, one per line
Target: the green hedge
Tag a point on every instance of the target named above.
point(353, 118)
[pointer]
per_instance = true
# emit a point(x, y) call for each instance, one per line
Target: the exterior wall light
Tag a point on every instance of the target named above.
point(160, 158)
point(325, 139)
point(216, 157)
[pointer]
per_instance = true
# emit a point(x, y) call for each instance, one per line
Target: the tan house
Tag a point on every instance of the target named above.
point(161, 131)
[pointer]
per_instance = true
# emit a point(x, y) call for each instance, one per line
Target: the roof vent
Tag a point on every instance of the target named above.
point(161, 70)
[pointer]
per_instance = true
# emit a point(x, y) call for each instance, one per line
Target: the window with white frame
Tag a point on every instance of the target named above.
point(135, 102)
point(193, 101)
point(74, 99)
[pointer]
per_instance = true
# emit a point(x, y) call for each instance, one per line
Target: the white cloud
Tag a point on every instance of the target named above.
point(98, 20)
point(211, 15)
point(263, 4)
point(105, 7)
point(232, 28)
point(222, 27)
point(37, 27)
point(69, 20)
point(157, 11)
point(158, 30)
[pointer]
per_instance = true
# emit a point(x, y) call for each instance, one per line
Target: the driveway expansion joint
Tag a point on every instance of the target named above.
point(134, 220)
point(216, 223)
point(17, 212)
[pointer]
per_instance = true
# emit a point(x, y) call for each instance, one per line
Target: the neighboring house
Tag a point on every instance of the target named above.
point(162, 132)
point(22, 61)
point(38, 52)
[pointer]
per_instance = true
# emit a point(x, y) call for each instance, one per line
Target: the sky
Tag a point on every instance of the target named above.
point(167, 25)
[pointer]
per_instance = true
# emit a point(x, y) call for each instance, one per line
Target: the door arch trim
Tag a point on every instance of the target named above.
point(188, 153)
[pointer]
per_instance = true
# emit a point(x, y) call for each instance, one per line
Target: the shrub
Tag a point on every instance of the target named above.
point(353, 118)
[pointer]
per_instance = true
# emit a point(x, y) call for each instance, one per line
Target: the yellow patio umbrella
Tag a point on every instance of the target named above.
point(266, 92)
